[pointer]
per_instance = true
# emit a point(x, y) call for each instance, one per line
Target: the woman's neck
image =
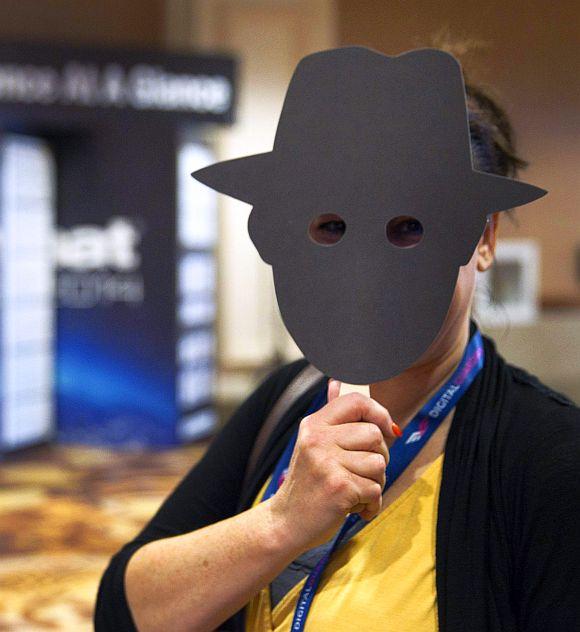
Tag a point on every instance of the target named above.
point(404, 394)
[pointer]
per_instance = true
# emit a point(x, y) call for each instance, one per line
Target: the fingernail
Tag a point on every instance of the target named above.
point(396, 430)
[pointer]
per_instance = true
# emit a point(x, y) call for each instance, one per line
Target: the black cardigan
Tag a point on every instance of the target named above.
point(508, 529)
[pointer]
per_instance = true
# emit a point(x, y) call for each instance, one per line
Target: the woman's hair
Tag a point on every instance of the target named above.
point(491, 133)
point(492, 136)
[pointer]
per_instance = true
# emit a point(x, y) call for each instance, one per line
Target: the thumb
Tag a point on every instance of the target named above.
point(333, 389)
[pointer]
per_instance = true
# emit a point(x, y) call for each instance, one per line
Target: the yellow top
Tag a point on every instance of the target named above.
point(382, 579)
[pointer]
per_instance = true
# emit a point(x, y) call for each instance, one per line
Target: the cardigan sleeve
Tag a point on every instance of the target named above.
point(547, 561)
point(207, 494)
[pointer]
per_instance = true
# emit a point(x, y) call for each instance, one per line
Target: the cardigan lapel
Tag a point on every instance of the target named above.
point(472, 560)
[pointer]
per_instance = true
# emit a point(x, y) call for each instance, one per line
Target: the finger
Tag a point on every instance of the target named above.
point(360, 436)
point(333, 389)
point(357, 407)
point(369, 493)
point(371, 511)
point(367, 513)
point(371, 465)
point(358, 508)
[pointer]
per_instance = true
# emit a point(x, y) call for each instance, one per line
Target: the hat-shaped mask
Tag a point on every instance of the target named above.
point(382, 142)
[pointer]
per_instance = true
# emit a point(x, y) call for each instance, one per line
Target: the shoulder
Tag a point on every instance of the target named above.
point(269, 388)
point(237, 435)
point(542, 439)
point(539, 409)
point(250, 414)
point(531, 385)
point(533, 431)
point(541, 487)
point(274, 384)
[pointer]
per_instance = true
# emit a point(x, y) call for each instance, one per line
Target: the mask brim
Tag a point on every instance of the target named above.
point(240, 178)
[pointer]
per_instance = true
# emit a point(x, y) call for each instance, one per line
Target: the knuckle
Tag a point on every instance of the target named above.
point(372, 491)
point(376, 492)
point(306, 423)
point(307, 435)
point(306, 420)
point(347, 502)
point(358, 401)
point(375, 435)
point(382, 411)
point(303, 428)
point(379, 461)
point(336, 485)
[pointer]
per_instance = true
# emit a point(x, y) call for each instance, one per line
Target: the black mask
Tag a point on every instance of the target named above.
point(383, 143)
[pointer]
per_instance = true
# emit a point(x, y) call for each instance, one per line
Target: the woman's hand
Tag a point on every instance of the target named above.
point(338, 467)
point(203, 577)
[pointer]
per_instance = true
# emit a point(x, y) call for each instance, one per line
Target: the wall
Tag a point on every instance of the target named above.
point(549, 349)
point(101, 22)
point(532, 61)
point(269, 38)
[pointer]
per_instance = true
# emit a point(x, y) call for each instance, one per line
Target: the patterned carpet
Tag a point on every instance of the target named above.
point(63, 512)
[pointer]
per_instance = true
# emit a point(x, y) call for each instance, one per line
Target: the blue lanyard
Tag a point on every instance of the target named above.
point(416, 433)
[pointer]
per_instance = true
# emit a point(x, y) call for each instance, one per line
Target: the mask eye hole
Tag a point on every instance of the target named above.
point(404, 231)
point(327, 229)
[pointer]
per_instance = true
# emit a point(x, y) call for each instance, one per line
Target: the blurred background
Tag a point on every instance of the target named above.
point(135, 314)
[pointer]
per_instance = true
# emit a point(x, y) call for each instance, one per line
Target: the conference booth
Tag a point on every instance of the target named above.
point(107, 261)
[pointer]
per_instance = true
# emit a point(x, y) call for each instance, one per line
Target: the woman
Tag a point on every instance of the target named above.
point(483, 539)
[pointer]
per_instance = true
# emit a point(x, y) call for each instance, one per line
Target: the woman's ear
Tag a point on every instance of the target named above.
point(486, 246)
